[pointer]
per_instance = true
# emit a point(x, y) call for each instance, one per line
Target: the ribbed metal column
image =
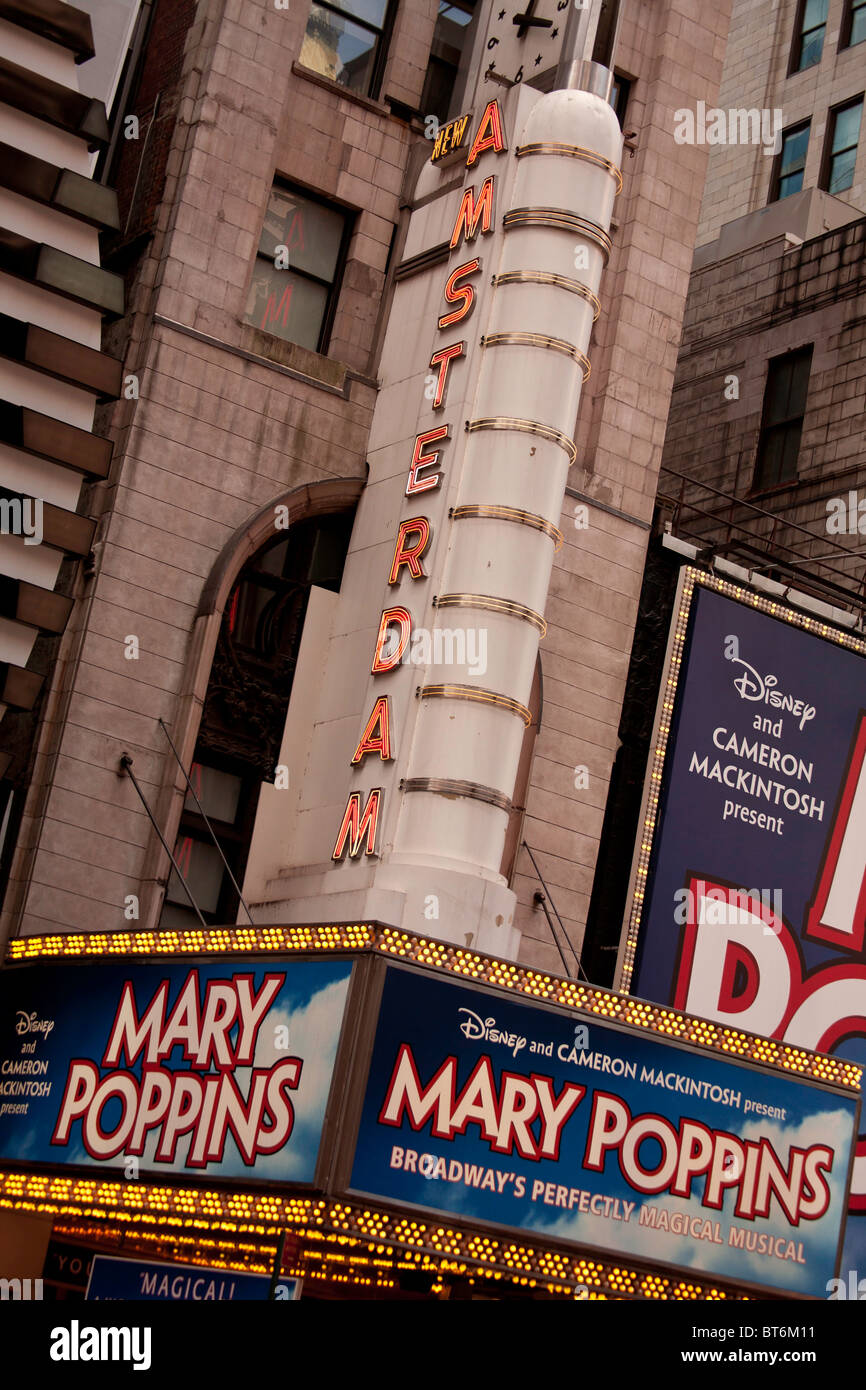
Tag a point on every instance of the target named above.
point(504, 532)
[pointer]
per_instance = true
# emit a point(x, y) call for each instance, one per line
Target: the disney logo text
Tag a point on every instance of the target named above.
point(753, 686)
point(477, 1027)
point(29, 1023)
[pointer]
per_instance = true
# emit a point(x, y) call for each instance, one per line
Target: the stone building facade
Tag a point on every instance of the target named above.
point(762, 466)
point(744, 312)
point(239, 423)
point(778, 279)
point(779, 270)
point(803, 62)
point(55, 297)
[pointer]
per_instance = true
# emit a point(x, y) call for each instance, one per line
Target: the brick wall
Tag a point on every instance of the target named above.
point(144, 161)
point(740, 313)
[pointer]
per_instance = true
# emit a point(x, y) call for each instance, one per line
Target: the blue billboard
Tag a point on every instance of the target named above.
point(752, 906)
point(208, 1069)
point(496, 1110)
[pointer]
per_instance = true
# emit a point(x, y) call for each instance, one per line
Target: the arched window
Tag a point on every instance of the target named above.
point(245, 710)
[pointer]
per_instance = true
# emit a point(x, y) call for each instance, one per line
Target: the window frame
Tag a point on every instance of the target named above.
point(471, 8)
point(848, 24)
point(776, 176)
point(797, 42)
point(382, 47)
point(604, 43)
point(333, 287)
point(761, 484)
point(624, 87)
point(828, 154)
point(234, 838)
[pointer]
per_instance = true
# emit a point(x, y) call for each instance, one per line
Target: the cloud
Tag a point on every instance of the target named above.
point(313, 1033)
point(632, 1238)
point(819, 1238)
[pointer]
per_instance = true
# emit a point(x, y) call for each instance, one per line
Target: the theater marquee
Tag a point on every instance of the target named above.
point(199, 1069)
point(360, 1084)
point(514, 1115)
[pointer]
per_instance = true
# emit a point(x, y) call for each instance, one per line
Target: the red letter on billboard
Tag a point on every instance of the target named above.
point(837, 913)
point(391, 617)
point(410, 554)
point(443, 360)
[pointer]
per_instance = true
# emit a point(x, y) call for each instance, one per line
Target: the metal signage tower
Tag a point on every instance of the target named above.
point(409, 785)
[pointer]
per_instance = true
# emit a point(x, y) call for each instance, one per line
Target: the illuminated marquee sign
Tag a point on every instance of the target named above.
point(749, 895)
point(516, 1115)
point(573, 1028)
point(359, 826)
point(196, 1068)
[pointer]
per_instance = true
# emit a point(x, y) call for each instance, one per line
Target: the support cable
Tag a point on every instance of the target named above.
point(580, 969)
point(126, 765)
point(201, 811)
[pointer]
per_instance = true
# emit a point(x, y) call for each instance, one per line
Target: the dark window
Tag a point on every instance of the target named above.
point(605, 34)
point(841, 152)
point(298, 265)
point(790, 162)
point(809, 35)
point(620, 93)
point(853, 23)
point(449, 37)
point(347, 43)
point(782, 420)
point(120, 31)
point(229, 802)
point(245, 713)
